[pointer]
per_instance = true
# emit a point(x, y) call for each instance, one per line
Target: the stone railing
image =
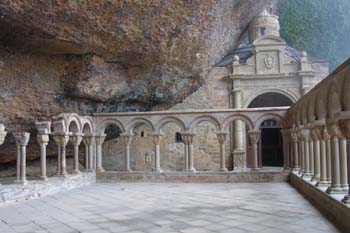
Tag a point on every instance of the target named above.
point(319, 127)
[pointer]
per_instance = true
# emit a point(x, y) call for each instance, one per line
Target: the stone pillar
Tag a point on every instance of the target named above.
point(306, 139)
point(88, 140)
point(286, 149)
point(254, 136)
point(295, 165)
point(76, 140)
point(222, 136)
point(43, 140)
point(61, 141)
point(187, 138)
point(99, 139)
point(22, 139)
point(329, 159)
point(157, 138)
point(323, 158)
point(334, 132)
point(301, 156)
point(126, 141)
point(239, 153)
point(317, 164)
point(311, 155)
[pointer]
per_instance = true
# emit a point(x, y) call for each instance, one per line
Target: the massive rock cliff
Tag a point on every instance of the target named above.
point(92, 56)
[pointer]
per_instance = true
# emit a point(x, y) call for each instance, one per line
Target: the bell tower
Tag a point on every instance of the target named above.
point(264, 25)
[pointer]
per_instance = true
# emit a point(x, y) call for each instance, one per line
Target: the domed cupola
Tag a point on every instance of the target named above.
point(262, 25)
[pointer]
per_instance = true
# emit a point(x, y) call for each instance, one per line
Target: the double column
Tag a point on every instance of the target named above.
point(286, 148)
point(305, 134)
point(295, 149)
point(324, 170)
point(254, 136)
point(99, 139)
point(338, 158)
point(126, 139)
point(22, 139)
point(88, 140)
point(44, 129)
point(187, 138)
point(61, 141)
point(157, 139)
point(76, 139)
point(315, 137)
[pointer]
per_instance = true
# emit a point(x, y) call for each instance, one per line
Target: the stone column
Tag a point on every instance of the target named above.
point(99, 139)
point(22, 139)
point(239, 153)
point(316, 134)
point(187, 138)
point(3, 134)
point(306, 139)
point(334, 132)
point(254, 136)
point(88, 141)
point(76, 140)
point(295, 165)
point(323, 158)
point(329, 159)
point(222, 136)
point(344, 126)
point(61, 141)
point(43, 140)
point(157, 138)
point(126, 140)
point(311, 156)
point(286, 149)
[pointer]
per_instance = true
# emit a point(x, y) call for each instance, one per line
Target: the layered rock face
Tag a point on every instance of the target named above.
point(93, 56)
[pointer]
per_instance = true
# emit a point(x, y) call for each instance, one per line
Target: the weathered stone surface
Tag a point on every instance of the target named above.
point(151, 53)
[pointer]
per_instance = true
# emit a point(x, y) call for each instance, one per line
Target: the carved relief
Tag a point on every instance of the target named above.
point(269, 61)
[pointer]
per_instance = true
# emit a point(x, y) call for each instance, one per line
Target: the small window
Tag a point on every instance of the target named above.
point(178, 138)
point(262, 31)
point(142, 134)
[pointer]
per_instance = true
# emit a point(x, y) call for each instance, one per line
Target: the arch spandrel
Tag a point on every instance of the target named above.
point(139, 120)
point(206, 118)
point(228, 120)
point(268, 116)
point(167, 120)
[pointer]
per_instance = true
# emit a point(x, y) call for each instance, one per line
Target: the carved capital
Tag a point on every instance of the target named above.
point(254, 136)
point(222, 137)
point(187, 138)
point(75, 139)
point(22, 138)
point(316, 133)
point(333, 128)
point(99, 139)
point(3, 134)
point(43, 127)
point(126, 139)
point(42, 139)
point(61, 140)
point(305, 134)
point(324, 133)
point(157, 138)
point(344, 126)
point(286, 134)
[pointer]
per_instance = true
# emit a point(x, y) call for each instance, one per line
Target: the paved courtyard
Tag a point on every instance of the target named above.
point(166, 208)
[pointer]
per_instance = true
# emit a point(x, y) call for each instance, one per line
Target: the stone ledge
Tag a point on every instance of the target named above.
point(188, 177)
point(36, 189)
point(333, 209)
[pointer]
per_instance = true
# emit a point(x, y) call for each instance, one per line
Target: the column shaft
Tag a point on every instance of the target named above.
point(43, 162)
point(127, 158)
point(311, 157)
point(76, 160)
point(222, 158)
point(323, 170)
point(59, 154)
point(307, 173)
point(343, 165)
point(190, 157)
point(335, 187)
point(18, 175)
point(317, 164)
point(329, 160)
point(23, 164)
point(157, 157)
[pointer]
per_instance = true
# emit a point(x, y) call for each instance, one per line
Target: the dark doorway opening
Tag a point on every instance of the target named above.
point(271, 149)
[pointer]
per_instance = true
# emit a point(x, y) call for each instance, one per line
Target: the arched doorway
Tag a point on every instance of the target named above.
point(271, 146)
point(270, 143)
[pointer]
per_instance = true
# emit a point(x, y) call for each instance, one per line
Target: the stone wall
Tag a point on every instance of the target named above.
point(213, 95)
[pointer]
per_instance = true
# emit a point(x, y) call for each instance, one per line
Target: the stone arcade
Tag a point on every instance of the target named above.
point(311, 116)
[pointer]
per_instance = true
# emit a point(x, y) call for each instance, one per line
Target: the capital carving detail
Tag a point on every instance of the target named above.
point(254, 136)
point(187, 138)
point(76, 139)
point(22, 138)
point(99, 139)
point(126, 139)
point(61, 140)
point(157, 138)
point(43, 139)
point(222, 137)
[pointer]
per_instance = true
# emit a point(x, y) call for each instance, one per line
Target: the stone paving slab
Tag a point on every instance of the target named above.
point(167, 208)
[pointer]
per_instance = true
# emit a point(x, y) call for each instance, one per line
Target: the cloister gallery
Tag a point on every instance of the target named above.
point(297, 130)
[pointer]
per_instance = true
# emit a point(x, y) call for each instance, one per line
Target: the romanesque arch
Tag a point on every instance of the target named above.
point(196, 121)
point(266, 98)
point(133, 123)
point(166, 120)
point(227, 121)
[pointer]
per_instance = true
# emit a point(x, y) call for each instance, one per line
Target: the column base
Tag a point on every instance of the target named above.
point(158, 170)
point(100, 169)
point(345, 188)
point(21, 182)
point(223, 169)
point(335, 190)
point(190, 170)
point(316, 178)
point(44, 178)
point(322, 184)
point(128, 170)
point(76, 172)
